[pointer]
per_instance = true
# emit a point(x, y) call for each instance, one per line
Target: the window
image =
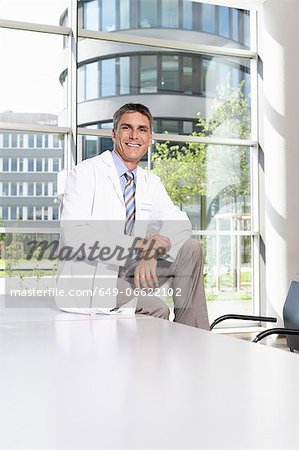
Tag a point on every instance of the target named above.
point(5, 189)
point(187, 75)
point(148, 13)
point(175, 84)
point(148, 73)
point(92, 81)
point(39, 140)
point(5, 139)
point(38, 213)
point(13, 213)
point(39, 165)
point(5, 164)
point(30, 189)
point(187, 15)
point(108, 77)
point(208, 18)
point(31, 140)
point(124, 14)
point(13, 189)
point(56, 141)
point(81, 83)
point(55, 214)
point(224, 21)
point(30, 165)
point(39, 189)
point(124, 75)
point(56, 165)
point(4, 213)
point(108, 15)
point(20, 213)
point(14, 140)
point(170, 13)
point(14, 165)
point(170, 73)
point(91, 15)
point(30, 213)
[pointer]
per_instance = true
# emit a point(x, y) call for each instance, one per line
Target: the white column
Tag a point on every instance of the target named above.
point(280, 142)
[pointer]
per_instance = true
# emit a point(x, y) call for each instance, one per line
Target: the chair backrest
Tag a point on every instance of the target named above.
point(291, 314)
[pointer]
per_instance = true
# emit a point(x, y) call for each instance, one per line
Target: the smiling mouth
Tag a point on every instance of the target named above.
point(133, 145)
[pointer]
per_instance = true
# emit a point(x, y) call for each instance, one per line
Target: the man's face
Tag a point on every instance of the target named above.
point(132, 137)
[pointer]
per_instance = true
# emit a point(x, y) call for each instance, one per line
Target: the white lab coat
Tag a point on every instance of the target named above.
point(93, 209)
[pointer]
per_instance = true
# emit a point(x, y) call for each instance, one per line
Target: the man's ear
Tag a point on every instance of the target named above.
point(113, 135)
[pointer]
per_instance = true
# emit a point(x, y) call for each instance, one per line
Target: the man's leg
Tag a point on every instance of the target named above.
point(190, 307)
point(148, 305)
point(189, 297)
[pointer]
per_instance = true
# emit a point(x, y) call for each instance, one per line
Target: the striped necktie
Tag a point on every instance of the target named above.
point(129, 198)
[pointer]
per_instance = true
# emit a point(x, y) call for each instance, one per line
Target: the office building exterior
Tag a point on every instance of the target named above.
point(29, 163)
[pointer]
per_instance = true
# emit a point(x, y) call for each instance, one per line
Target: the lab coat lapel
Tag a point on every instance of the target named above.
point(112, 174)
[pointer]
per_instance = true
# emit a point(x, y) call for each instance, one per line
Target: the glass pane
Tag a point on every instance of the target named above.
point(108, 15)
point(208, 18)
point(148, 13)
point(93, 145)
point(187, 75)
point(212, 183)
point(170, 73)
point(30, 91)
point(170, 13)
point(224, 21)
point(91, 15)
point(108, 77)
point(187, 15)
point(25, 182)
point(124, 14)
point(39, 11)
point(148, 73)
point(213, 93)
point(81, 83)
point(211, 25)
point(92, 81)
point(229, 274)
point(124, 77)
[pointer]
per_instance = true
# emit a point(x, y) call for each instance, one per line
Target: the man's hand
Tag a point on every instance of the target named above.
point(145, 272)
point(155, 242)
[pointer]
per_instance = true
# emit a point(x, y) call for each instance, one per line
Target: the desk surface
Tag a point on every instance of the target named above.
point(74, 382)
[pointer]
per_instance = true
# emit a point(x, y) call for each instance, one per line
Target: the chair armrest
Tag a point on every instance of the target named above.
point(284, 331)
point(242, 317)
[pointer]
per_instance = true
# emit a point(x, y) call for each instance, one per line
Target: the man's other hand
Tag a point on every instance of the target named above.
point(154, 242)
point(145, 275)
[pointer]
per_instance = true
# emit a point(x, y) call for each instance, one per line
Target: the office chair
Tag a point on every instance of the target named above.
point(290, 318)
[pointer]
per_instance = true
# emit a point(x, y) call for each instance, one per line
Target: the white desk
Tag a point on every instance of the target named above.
point(72, 382)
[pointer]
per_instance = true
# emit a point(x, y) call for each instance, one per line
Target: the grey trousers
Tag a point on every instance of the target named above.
point(186, 271)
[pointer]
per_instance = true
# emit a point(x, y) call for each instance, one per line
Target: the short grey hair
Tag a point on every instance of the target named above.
point(132, 107)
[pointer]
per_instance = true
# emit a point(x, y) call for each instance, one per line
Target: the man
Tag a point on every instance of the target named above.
point(112, 189)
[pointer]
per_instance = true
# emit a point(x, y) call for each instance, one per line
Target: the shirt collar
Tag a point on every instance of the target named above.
point(121, 167)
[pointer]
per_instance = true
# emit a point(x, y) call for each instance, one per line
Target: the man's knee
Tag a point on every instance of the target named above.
point(153, 307)
point(193, 248)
